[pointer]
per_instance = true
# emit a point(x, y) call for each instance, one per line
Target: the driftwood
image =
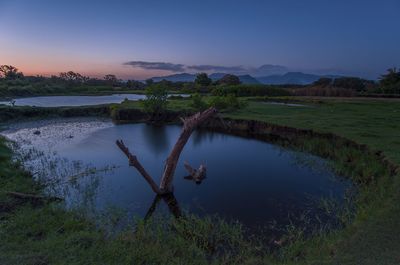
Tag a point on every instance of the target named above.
point(189, 125)
point(196, 175)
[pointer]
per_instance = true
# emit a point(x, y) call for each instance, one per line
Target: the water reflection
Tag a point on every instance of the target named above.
point(156, 138)
point(200, 136)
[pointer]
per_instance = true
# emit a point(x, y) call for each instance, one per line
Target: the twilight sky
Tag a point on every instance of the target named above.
point(140, 39)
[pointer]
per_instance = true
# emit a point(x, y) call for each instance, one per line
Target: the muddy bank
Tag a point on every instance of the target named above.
point(121, 116)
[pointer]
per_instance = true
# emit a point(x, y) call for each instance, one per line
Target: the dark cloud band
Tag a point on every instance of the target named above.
point(266, 69)
point(157, 66)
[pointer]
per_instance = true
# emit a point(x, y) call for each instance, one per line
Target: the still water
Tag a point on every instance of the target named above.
point(247, 180)
point(60, 101)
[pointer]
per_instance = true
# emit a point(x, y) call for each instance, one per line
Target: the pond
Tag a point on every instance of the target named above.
point(248, 180)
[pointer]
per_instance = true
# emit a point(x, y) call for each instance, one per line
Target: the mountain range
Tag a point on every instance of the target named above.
point(294, 78)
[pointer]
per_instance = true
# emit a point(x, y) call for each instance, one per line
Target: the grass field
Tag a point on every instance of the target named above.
point(31, 234)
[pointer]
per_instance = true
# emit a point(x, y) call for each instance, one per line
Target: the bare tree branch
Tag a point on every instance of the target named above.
point(133, 161)
point(189, 125)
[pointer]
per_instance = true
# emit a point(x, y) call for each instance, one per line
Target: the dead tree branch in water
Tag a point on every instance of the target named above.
point(196, 175)
point(189, 125)
point(133, 161)
point(171, 202)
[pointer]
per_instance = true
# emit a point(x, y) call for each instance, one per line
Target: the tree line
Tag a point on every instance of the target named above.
point(14, 83)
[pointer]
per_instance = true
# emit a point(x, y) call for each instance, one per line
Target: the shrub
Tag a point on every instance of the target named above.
point(198, 102)
point(229, 102)
point(156, 99)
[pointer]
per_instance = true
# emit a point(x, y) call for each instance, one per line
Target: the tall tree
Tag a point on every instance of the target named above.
point(73, 77)
point(156, 99)
point(390, 82)
point(229, 79)
point(203, 79)
point(10, 72)
point(111, 79)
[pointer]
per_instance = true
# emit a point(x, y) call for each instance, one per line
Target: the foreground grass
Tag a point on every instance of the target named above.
point(48, 235)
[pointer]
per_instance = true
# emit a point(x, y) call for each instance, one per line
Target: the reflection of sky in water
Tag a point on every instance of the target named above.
point(59, 101)
point(249, 180)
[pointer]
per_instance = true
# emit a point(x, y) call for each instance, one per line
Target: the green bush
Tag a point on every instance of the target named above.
point(156, 99)
point(229, 102)
point(198, 103)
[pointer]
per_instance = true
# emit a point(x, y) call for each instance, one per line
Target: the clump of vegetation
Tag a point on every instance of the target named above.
point(229, 80)
point(156, 99)
point(198, 103)
point(202, 79)
point(229, 102)
point(390, 82)
point(10, 72)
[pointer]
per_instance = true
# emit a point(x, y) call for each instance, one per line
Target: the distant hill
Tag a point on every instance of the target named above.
point(248, 79)
point(295, 78)
point(185, 77)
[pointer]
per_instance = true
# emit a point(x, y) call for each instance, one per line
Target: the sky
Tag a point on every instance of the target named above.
point(141, 39)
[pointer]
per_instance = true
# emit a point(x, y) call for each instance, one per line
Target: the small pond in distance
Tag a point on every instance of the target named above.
point(247, 180)
point(61, 101)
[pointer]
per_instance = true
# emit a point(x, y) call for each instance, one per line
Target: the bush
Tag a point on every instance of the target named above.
point(229, 80)
point(390, 82)
point(156, 99)
point(198, 103)
point(229, 102)
point(250, 90)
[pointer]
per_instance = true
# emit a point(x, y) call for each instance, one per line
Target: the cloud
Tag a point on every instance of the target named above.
point(157, 66)
point(263, 70)
point(216, 68)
